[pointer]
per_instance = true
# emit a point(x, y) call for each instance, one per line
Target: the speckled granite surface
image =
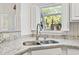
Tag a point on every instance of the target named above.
point(16, 46)
point(8, 47)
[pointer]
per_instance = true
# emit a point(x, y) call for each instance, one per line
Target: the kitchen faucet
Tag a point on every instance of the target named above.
point(38, 31)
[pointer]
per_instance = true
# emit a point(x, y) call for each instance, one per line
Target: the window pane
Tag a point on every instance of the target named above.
point(52, 17)
point(52, 21)
point(52, 10)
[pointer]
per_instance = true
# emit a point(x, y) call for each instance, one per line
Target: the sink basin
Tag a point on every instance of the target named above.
point(29, 43)
point(48, 42)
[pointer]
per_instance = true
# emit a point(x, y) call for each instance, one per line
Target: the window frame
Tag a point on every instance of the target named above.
point(64, 5)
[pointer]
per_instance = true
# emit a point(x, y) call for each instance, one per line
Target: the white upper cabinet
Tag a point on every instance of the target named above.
point(9, 17)
point(25, 19)
point(35, 15)
point(74, 12)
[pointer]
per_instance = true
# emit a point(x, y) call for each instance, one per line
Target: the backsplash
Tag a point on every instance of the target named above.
point(8, 36)
point(72, 34)
point(74, 31)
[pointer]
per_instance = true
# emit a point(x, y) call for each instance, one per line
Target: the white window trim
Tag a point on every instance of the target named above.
point(65, 22)
point(52, 14)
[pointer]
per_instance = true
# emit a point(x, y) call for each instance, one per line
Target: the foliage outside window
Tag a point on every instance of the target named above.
point(52, 17)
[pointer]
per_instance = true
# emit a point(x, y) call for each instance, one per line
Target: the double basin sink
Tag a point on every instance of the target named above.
point(30, 43)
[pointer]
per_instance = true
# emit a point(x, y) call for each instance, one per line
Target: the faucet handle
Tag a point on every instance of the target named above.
point(45, 36)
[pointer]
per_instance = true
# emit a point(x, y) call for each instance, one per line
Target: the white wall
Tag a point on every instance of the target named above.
point(25, 19)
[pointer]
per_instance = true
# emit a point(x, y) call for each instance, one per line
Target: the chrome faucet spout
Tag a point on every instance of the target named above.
point(37, 31)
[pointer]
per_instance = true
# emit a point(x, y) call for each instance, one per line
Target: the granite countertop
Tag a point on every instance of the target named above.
point(16, 47)
point(62, 43)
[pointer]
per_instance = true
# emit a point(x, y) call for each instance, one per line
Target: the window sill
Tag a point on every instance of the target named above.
point(47, 32)
point(54, 32)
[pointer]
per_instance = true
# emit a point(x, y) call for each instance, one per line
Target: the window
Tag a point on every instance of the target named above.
point(55, 17)
point(52, 17)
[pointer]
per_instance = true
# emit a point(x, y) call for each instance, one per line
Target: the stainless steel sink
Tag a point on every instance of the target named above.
point(29, 43)
point(48, 42)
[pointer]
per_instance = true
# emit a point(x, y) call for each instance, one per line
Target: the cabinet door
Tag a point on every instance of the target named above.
point(73, 52)
point(56, 51)
point(9, 18)
point(74, 11)
point(35, 16)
